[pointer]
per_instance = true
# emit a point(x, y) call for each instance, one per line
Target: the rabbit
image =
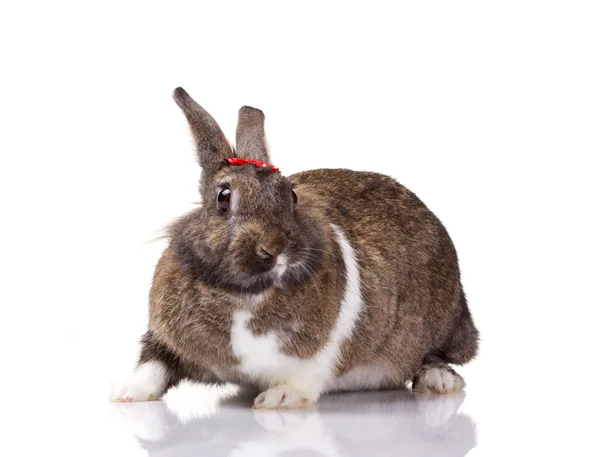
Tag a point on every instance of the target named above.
point(326, 280)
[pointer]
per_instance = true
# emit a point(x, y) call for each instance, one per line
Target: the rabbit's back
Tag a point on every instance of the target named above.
point(410, 278)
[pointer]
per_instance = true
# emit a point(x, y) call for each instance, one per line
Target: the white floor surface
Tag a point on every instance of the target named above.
point(220, 422)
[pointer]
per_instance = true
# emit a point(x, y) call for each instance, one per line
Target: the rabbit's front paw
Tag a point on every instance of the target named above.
point(131, 390)
point(281, 397)
point(438, 379)
point(147, 383)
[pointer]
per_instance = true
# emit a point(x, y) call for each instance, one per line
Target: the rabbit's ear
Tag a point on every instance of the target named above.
point(250, 139)
point(211, 144)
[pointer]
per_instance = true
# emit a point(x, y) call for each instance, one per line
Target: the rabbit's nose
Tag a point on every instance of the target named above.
point(270, 247)
point(266, 251)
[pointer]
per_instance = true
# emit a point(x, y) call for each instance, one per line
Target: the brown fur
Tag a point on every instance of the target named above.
point(415, 309)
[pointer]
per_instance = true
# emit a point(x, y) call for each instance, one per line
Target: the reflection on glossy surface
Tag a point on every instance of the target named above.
point(198, 420)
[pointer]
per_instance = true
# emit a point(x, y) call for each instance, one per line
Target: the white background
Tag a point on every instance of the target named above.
point(489, 111)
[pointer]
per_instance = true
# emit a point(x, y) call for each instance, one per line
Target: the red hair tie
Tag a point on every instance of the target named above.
point(257, 163)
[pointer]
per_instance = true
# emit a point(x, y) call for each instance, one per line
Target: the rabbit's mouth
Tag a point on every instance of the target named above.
point(277, 274)
point(281, 266)
point(283, 273)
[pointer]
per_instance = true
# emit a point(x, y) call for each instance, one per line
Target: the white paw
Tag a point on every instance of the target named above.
point(439, 380)
point(131, 390)
point(281, 397)
point(145, 384)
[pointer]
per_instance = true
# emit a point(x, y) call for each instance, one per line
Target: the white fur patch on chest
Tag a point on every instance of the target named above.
point(260, 356)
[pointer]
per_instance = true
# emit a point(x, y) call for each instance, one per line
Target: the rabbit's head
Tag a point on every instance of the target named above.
point(252, 230)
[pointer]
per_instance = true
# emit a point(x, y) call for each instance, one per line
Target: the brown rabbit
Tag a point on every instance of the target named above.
point(327, 280)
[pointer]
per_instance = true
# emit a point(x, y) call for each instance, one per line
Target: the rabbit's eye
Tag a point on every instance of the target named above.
point(224, 199)
point(294, 198)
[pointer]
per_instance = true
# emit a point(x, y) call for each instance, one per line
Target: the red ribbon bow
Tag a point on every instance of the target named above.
point(257, 163)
